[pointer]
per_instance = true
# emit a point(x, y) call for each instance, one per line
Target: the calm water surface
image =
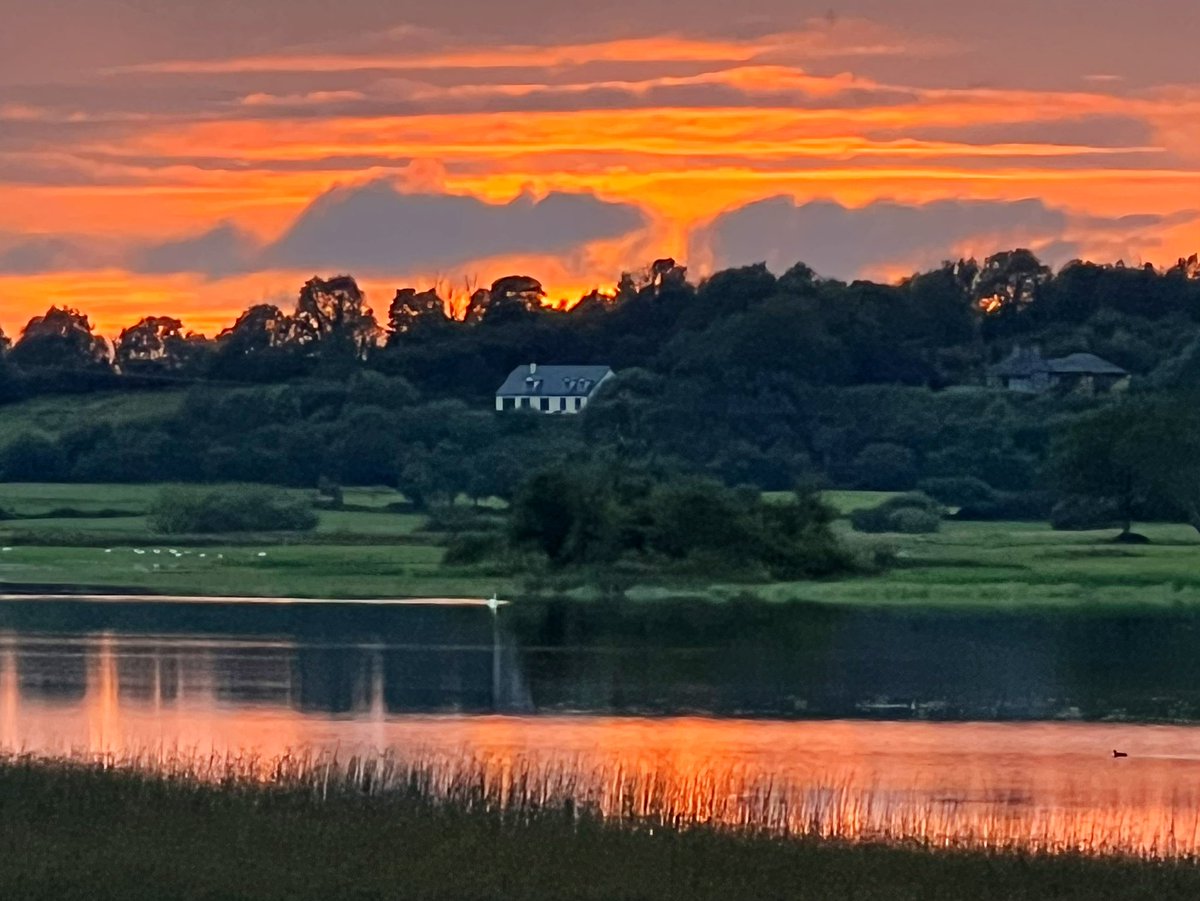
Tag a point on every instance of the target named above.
point(618, 696)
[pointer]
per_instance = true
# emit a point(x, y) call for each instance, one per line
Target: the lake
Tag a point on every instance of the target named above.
point(982, 728)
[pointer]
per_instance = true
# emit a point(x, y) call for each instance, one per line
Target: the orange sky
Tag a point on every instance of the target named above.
point(208, 166)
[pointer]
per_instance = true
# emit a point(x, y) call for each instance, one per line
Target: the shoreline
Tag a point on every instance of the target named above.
point(140, 596)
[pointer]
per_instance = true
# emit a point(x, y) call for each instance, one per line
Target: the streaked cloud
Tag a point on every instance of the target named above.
point(818, 39)
point(194, 160)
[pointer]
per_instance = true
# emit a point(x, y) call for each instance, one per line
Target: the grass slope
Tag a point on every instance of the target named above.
point(53, 416)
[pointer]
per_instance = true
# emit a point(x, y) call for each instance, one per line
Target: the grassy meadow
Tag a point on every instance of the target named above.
point(1017, 564)
point(89, 535)
point(83, 832)
point(106, 540)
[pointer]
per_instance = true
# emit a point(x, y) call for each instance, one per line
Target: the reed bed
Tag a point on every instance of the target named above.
point(385, 827)
point(524, 789)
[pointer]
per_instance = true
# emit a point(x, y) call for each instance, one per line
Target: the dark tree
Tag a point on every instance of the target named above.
point(513, 298)
point(1099, 457)
point(1009, 284)
point(262, 327)
point(155, 343)
point(258, 347)
point(332, 316)
point(415, 314)
point(62, 339)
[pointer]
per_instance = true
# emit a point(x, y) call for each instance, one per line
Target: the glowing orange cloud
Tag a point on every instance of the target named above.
point(719, 123)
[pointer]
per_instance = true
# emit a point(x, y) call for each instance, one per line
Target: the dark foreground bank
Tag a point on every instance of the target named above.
point(75, 833)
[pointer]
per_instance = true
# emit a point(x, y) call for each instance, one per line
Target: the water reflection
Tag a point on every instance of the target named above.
point(663, 659)
point(161, 672)
point(426, 686)
point(1032, 783)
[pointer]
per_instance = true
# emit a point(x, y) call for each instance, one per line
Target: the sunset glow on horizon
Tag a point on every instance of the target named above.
point(196, 161)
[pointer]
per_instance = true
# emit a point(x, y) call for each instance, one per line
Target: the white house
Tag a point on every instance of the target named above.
point(551, 389)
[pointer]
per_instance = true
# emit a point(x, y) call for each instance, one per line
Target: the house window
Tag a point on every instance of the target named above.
point(543, 404)
point(578, 403)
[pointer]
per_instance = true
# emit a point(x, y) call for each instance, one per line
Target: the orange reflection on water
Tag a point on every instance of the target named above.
point(1050, 785)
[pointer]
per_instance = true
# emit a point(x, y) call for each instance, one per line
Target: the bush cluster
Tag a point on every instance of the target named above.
point(240, 508)
point(909, 514)
point(595, 515)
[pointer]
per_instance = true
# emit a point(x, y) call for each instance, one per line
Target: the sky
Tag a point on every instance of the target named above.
point(194, 157)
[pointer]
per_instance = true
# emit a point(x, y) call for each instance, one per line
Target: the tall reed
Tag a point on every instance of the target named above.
point(524, 788)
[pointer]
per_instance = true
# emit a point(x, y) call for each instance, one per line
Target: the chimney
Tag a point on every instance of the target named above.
point(533, 368)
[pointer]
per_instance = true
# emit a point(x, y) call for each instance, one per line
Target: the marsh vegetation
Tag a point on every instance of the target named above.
point(202, 830)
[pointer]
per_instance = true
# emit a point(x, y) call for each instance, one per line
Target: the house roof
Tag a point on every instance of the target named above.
point(1022, 362)
point(553, 381)
point(1089, 364)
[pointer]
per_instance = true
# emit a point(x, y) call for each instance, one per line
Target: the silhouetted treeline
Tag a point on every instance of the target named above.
point(747, 376)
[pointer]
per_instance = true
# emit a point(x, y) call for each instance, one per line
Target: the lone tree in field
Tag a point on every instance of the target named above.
point(1097, 458)
point(1135, 455)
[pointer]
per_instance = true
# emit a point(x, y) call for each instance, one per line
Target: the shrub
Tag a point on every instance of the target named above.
point(240, 508)
point(913, 513)
point(1079, 513)
point(474, 548)
point(959, 491)
point(913, 521)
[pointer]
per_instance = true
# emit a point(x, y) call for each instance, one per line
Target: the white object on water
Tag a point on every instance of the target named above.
point(204, 555)
point(157, 551)
point(138, 550)
point(262, 553)
point(5, 549)
point(108, 550)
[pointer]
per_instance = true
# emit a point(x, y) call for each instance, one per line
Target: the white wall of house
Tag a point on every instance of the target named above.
point(545, 404)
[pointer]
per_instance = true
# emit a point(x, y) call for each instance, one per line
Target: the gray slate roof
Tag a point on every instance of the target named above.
point(1089, 364)
point(1030, 362)
point(553, 381)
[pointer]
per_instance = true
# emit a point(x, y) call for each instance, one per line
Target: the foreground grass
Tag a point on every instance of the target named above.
point(72, 832)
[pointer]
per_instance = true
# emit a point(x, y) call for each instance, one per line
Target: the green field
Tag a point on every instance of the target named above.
point(370, 550)
point(365, 551)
